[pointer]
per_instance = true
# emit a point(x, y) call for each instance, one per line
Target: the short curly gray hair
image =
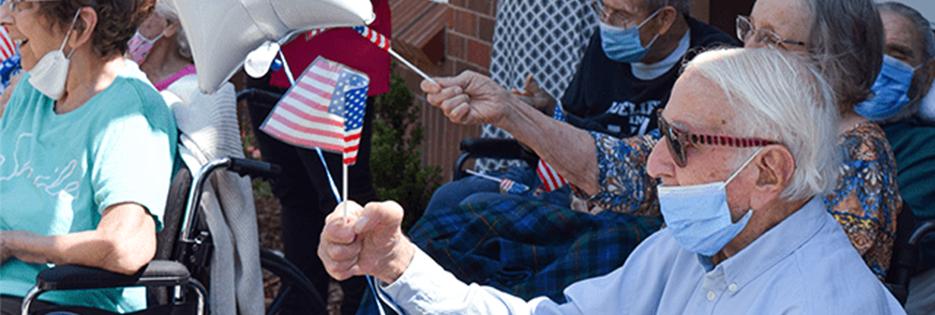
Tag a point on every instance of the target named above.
point(167, 11)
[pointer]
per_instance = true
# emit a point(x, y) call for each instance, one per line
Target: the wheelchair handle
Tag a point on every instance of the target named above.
point(199, 178)
point(254, 168)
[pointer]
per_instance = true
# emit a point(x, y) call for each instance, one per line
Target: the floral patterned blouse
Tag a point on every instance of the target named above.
point(865, 200)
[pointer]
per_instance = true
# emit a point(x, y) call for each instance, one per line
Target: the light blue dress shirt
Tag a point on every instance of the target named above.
point(803, 265)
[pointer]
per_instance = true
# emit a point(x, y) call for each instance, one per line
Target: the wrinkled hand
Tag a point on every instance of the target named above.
point(469, 98)
point(534, 95)
point(369, 241)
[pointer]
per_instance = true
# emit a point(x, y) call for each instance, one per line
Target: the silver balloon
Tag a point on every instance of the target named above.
point(222, 32)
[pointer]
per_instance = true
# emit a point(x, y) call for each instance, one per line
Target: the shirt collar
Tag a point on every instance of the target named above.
point(773, 246)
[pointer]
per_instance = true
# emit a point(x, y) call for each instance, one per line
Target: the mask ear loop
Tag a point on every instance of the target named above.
point(640, 26)
point(68, 34)
point(743, 166)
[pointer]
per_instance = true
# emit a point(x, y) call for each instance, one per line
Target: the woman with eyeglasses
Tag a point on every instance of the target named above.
point(87, 149)
point(845, 39)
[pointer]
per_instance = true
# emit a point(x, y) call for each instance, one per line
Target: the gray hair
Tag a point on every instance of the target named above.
point(847, 44)
point(919, 22)
point(780, 96)
point(683, 6)
point(167, 11)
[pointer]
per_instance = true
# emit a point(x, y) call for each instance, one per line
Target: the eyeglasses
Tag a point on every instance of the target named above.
point(610, 16)
point(747, 32)
point(678, 140)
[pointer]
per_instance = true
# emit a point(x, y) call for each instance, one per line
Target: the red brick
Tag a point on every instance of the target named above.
point(464, 22)
point(450, 68)
point(480, 6)
point(449, 17)
point(485, 27)
point(461, 67)
point(478, 53)
point(458, 3)
point(455, 45)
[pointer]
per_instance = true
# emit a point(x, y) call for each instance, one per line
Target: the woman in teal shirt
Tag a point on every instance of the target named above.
point(86, 152)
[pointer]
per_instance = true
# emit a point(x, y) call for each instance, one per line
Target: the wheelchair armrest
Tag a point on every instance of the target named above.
point(509, 149)
point(497, 149)
point(924, 229)
point(158, 273)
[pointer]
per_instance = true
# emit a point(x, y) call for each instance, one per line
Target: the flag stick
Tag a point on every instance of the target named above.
point(321, 156)
point(285, 67)
point(344, 186)
point(411, 66)
point(484, 176)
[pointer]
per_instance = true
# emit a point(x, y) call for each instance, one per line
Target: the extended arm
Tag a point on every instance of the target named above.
point(471, 98)
point(124, 241)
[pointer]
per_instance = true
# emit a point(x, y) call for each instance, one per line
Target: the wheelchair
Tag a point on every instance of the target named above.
point(175, 277)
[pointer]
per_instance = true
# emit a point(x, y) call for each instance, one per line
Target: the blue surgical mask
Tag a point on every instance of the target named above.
point(623, 44)
point(890, 91)
point(698, 216)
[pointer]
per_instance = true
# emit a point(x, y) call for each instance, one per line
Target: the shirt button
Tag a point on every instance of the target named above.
point(732, 287)
point(711, 295)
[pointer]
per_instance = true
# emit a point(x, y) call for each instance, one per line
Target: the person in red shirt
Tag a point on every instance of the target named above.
point(303, 189)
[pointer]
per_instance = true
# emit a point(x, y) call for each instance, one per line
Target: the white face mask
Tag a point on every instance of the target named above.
point(50, 74)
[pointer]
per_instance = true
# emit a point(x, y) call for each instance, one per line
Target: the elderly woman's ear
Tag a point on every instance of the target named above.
point(171, 30)
point(776, 166)
point(84, 28)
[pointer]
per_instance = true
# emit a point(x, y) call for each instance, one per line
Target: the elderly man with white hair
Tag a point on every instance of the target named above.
point(743, 164)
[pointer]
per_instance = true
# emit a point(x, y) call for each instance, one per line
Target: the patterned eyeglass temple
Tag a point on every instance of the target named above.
point(716, 140)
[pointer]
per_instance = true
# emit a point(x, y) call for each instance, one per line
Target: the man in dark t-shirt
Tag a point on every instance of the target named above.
point(620, 98)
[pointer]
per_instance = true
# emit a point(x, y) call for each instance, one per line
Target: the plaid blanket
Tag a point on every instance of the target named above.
point(526, 247)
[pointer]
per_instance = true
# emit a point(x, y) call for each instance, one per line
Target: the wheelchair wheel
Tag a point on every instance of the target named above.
point(291, 281)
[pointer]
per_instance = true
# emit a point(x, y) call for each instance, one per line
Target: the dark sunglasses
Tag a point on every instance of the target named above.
point(678, 140)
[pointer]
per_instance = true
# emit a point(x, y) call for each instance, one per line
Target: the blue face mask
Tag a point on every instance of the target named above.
point(698, 216)
point(623, 44)
point(890, 91)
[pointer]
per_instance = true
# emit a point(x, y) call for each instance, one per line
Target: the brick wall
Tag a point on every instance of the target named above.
point(468, 35)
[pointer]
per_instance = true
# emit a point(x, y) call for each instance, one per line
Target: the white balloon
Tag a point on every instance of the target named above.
point(259, 60)
point(222, 32)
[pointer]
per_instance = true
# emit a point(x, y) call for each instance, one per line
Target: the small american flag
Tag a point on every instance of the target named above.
point(550, 178)
point(547, 175)
point(324, 109)
point(7, 47)
point(510, 187)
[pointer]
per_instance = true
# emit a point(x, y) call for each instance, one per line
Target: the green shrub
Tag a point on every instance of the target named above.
point(396, 156)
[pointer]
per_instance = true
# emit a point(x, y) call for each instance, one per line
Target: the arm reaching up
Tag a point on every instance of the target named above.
point(471, 99)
